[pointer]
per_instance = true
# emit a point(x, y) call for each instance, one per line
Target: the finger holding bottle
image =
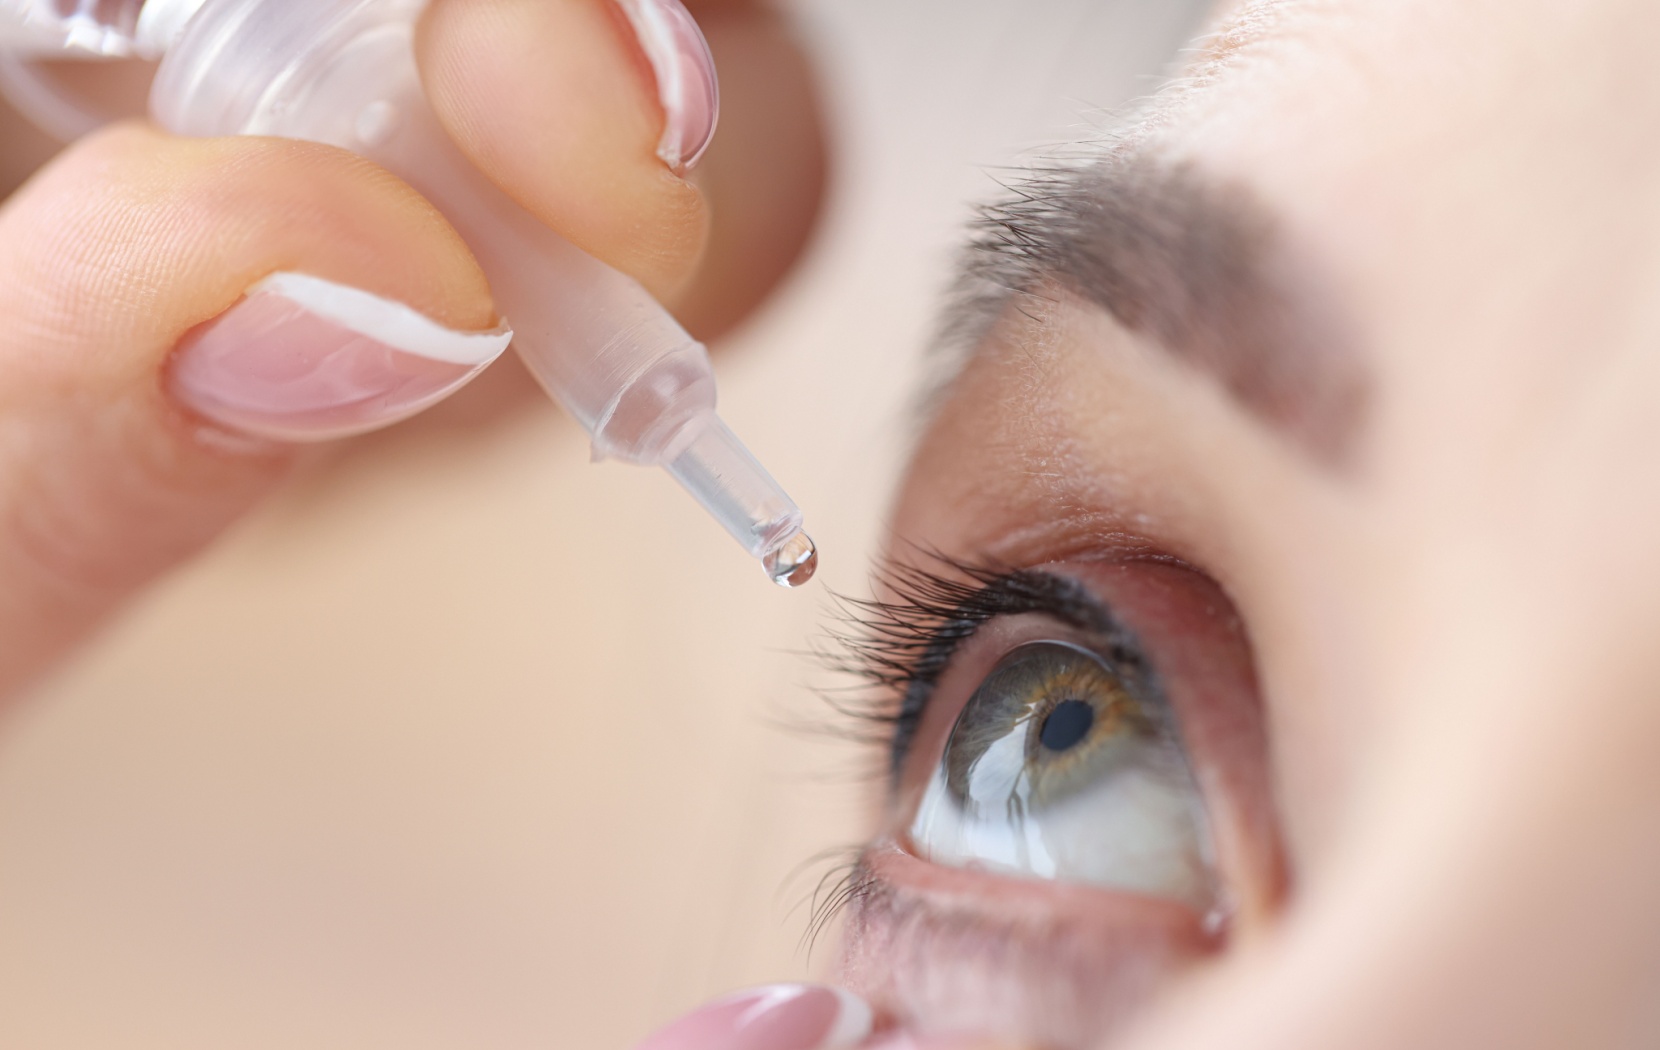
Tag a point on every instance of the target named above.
point(600, 117)
point(157, 293)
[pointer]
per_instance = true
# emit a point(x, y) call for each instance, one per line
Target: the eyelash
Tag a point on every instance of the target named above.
point(898, 647)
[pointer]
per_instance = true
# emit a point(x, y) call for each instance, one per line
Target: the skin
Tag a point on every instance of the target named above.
point(1445, 834)
point(1451, 622)
point(120, 245)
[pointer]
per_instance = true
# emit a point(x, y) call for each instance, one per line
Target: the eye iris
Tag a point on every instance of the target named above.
point(1067, 725)
point(1064, 765)
point(1044, 723)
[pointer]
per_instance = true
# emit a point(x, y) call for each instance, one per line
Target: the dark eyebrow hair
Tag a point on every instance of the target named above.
point(1193, 264)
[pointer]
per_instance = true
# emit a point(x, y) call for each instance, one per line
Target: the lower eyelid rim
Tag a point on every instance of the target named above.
point(893, 864)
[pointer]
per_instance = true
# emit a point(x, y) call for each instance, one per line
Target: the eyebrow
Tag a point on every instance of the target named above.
point(1195, 265)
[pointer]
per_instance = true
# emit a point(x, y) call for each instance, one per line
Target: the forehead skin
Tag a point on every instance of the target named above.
point(1482, 183)
point(1455, 639)
point(1480, 176)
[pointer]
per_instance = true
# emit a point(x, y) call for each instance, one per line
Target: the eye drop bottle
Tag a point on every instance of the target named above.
point(342, 72)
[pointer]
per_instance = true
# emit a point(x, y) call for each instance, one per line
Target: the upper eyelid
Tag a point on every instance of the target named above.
point(905, 643)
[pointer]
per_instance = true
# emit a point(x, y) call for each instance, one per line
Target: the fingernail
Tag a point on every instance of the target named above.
point(905, 1041)
point(304, 359)
point(774, 1017)
point(686, 84)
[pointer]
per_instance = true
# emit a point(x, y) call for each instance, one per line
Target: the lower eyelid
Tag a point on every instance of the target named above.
point(959, 949)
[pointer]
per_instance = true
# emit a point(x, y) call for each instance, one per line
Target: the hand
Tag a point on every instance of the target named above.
point(132, 252)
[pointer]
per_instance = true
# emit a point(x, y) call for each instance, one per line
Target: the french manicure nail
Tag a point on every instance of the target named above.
point(686, 84)
point(905, 1041)
point(304, 359)
point(774, 1017)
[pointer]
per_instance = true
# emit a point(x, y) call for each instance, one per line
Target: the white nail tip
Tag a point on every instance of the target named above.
point(853, 1022)
point(385, 320)
point(656, 37)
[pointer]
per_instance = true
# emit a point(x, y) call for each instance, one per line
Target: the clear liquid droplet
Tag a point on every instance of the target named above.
point(793, 563)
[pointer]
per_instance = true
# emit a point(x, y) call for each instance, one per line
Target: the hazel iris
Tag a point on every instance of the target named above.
point(1047, 719)
point(1064, 764)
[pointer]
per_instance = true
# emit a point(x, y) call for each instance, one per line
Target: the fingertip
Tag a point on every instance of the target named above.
point(558, 103)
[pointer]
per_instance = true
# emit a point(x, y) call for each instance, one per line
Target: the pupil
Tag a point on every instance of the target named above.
point(1067, 724)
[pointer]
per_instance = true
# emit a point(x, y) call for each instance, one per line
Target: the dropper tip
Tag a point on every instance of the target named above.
point(794, 562)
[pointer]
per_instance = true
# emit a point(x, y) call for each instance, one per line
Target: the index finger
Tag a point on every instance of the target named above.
point(586, 112)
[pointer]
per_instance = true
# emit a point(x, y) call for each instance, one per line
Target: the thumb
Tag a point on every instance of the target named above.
point(128, 330)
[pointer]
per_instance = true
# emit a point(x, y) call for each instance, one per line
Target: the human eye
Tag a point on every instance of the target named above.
point(1065, 764)
point(1078, 739)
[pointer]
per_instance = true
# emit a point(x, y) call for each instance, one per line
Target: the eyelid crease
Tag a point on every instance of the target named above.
point(903, 644)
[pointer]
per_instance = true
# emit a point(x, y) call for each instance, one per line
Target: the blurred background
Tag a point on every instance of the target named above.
point(463, 742)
